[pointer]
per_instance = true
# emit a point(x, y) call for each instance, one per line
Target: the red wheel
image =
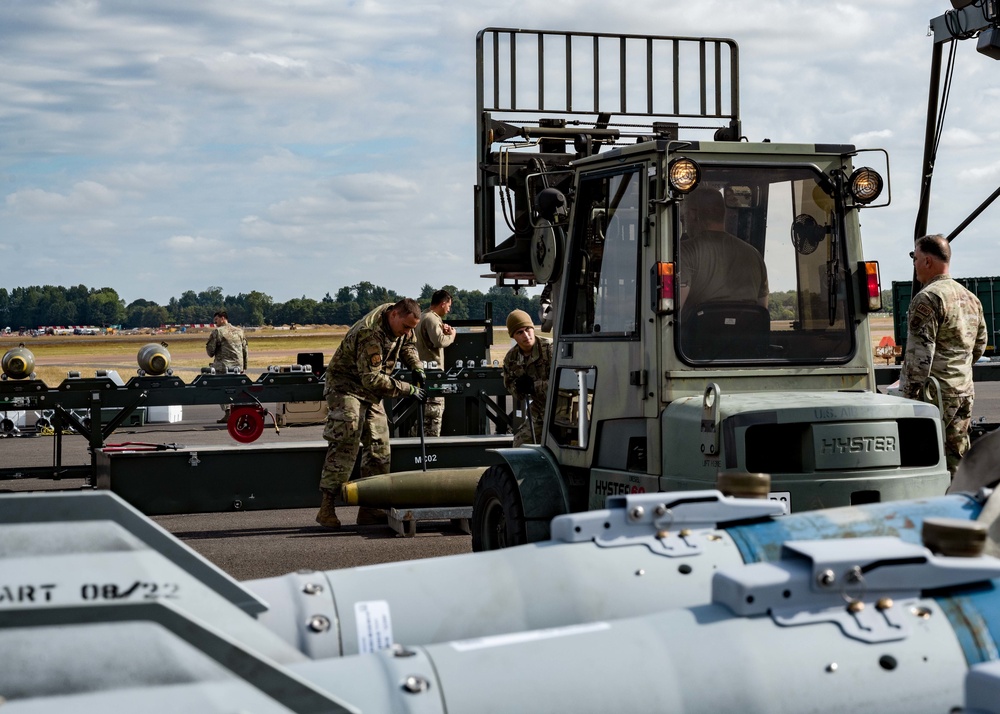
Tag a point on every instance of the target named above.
point(245, 424)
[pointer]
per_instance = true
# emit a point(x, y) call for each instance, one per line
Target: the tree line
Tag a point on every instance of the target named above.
point(784, 305)
point(53, 305)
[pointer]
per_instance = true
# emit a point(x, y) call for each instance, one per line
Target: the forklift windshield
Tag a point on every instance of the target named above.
point(760, 268)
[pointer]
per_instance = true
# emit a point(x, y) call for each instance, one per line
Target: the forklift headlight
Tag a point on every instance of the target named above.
point(683, 175)
point(865, 185)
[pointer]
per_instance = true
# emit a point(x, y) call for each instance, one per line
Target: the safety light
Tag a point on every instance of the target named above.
point(683, 175)
point(873, 285)
point(989, 42)
point(663, 284)
point(865, 185)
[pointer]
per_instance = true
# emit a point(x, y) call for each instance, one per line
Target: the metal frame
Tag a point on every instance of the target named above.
point(510, 118)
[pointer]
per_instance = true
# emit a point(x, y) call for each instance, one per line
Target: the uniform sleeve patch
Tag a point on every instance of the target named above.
point(374, 355)
point(922, 313)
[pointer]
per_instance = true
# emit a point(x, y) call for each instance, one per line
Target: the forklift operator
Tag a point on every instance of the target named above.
point(715, 265)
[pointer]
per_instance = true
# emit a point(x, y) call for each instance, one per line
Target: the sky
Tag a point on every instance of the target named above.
point(298, 146)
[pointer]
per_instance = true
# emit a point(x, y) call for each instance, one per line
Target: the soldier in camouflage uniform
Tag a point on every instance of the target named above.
point(433, 335)
point(227, 346)
point(358, 378)
point(946, 334)
point(526, 373)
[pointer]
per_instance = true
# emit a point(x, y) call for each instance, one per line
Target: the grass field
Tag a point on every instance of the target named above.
point(57, 355)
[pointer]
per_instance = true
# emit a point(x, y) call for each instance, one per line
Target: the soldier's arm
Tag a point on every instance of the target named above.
point(921, 340)
point(437, 336)
point(509, 377)
point(212, 343)
point(542, 385)
point(408, 354)
point(369, 366)
point(981, 339)
point(764, 289)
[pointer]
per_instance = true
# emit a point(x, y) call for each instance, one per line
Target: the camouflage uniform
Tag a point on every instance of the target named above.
point(227, 346)
point(431, 342)
point(357, 380)
point(536, 365)
point(947, 333)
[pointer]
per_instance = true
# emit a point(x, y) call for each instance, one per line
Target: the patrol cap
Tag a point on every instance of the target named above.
point(516, 320)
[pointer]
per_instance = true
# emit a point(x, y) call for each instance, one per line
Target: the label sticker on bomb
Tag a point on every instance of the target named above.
point(374, 625)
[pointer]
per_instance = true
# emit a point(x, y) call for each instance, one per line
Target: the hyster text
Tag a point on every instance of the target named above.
point(858, 444)
point(612, 488)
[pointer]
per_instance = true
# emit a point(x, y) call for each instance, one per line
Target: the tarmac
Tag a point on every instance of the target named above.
point(246, 544)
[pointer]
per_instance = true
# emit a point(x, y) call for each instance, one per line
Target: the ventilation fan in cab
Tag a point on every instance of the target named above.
point(807, 234)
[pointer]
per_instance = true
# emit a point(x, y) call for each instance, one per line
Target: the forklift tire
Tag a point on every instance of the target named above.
point(497, 514)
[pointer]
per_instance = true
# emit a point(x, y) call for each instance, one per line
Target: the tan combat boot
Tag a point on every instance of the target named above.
point(372, 516)
point(327, 516)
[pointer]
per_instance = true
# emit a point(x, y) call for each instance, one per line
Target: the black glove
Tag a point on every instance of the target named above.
point(419, 377)
point(418, 393)
point(524, 384)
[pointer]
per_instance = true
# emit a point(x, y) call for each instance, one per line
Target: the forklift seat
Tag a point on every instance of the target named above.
point(725, 331)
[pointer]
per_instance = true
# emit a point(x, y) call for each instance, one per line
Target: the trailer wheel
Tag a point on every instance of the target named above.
point(497, 514)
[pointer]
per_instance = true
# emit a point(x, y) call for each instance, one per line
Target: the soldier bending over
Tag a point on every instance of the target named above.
point(357, 380)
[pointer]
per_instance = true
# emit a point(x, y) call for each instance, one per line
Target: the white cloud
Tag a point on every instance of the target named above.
point(188, 245)
point(980, 175)
point(959, 138)
point(256, 76)
point(164, 222)
point(871, 138)
point(373, 188)
point(83, 198)
point(282, 161)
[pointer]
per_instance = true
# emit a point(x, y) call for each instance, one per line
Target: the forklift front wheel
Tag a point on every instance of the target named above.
point(497, 514)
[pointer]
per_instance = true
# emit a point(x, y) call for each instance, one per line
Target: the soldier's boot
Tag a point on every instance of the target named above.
point(327, 516)
point(372, 516)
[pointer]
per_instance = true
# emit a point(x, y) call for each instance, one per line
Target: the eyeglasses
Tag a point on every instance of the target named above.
point(912, 255)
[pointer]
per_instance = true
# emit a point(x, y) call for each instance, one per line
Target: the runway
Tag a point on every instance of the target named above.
point(246, 544)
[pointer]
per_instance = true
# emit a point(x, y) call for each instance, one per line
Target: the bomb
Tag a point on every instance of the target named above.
point(855, 624)
point(642, 554)
point(154, 359)
point(18, 363)
point(442, 488)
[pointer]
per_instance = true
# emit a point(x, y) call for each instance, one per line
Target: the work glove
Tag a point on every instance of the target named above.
point(418, 393)
point(420, 377)
point(524, 384)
